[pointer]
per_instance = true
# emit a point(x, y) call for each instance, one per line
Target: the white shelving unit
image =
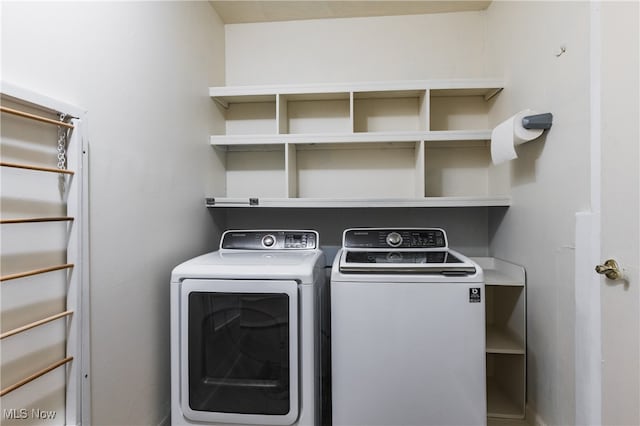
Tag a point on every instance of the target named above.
point(506, 338)
point(413, 143)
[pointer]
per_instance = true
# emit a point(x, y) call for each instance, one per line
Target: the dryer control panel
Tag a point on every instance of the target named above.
point(269, 240)
point(385, 238)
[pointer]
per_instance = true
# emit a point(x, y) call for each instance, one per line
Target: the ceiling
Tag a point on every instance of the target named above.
point(241, 11)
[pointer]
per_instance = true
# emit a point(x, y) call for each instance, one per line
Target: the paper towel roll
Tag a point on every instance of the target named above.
point(508, 134)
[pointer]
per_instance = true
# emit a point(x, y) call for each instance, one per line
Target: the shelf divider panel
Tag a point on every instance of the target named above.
point(291, 171)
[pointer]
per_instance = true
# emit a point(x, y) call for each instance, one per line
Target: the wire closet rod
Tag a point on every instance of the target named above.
point(35, 272)
point(38, 168)
point(35, 324)
point(35, 117)
point(37, 219)
point(35, 375)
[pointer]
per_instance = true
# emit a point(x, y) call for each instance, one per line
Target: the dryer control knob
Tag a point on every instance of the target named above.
point(394, 239)
point(268, 240)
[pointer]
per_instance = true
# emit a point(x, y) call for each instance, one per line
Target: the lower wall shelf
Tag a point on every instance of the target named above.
point(216, 202)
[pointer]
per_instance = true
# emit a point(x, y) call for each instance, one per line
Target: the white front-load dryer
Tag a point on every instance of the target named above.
point(245, 331)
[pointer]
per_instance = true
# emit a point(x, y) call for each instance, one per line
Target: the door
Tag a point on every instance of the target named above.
point(620, 216)
point(239, 351)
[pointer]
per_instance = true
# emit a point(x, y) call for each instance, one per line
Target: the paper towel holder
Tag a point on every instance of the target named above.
point(538, 121)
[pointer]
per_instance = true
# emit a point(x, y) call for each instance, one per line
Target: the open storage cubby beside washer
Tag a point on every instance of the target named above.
point(506, 334)
point(411, 143)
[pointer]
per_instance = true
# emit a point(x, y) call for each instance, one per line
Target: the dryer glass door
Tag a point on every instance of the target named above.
point(240, 351)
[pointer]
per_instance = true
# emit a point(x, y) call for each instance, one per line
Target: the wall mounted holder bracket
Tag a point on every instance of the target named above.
point(538, 121)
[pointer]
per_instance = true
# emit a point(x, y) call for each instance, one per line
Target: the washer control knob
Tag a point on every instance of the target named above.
point(268, 240)
point(394, 239)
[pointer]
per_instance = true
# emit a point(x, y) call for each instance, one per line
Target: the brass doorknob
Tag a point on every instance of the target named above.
point(610, 270)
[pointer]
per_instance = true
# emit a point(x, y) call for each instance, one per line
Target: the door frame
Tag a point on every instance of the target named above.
point(588, 334)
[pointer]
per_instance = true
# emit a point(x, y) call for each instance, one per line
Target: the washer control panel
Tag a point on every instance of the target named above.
point(269, 240)
point(394, 238)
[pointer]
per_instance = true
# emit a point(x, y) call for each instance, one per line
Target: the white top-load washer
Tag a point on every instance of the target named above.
point(245, 331)
point(407, 331)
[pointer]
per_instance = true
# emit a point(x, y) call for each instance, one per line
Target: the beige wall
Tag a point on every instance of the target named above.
point(419, 47)
point(550, 181)
point(141, 70)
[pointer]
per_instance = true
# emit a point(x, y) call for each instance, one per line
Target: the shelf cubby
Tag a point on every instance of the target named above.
point(459, 109)
point(460, 168)
point(255, 115)
point(390, 111)
point(381, 170)
point(315, 113)
point(256, 173)
point(505, 386)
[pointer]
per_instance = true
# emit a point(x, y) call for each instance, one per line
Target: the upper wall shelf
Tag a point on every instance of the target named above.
point(421, 141)
point(370, 112)
point(457, 87)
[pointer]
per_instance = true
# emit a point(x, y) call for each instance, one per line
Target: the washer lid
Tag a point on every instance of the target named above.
point(445, 262)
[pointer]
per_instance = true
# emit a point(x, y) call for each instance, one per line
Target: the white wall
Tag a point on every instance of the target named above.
point(550, 181)
point(416, 47)
point(141, 70)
